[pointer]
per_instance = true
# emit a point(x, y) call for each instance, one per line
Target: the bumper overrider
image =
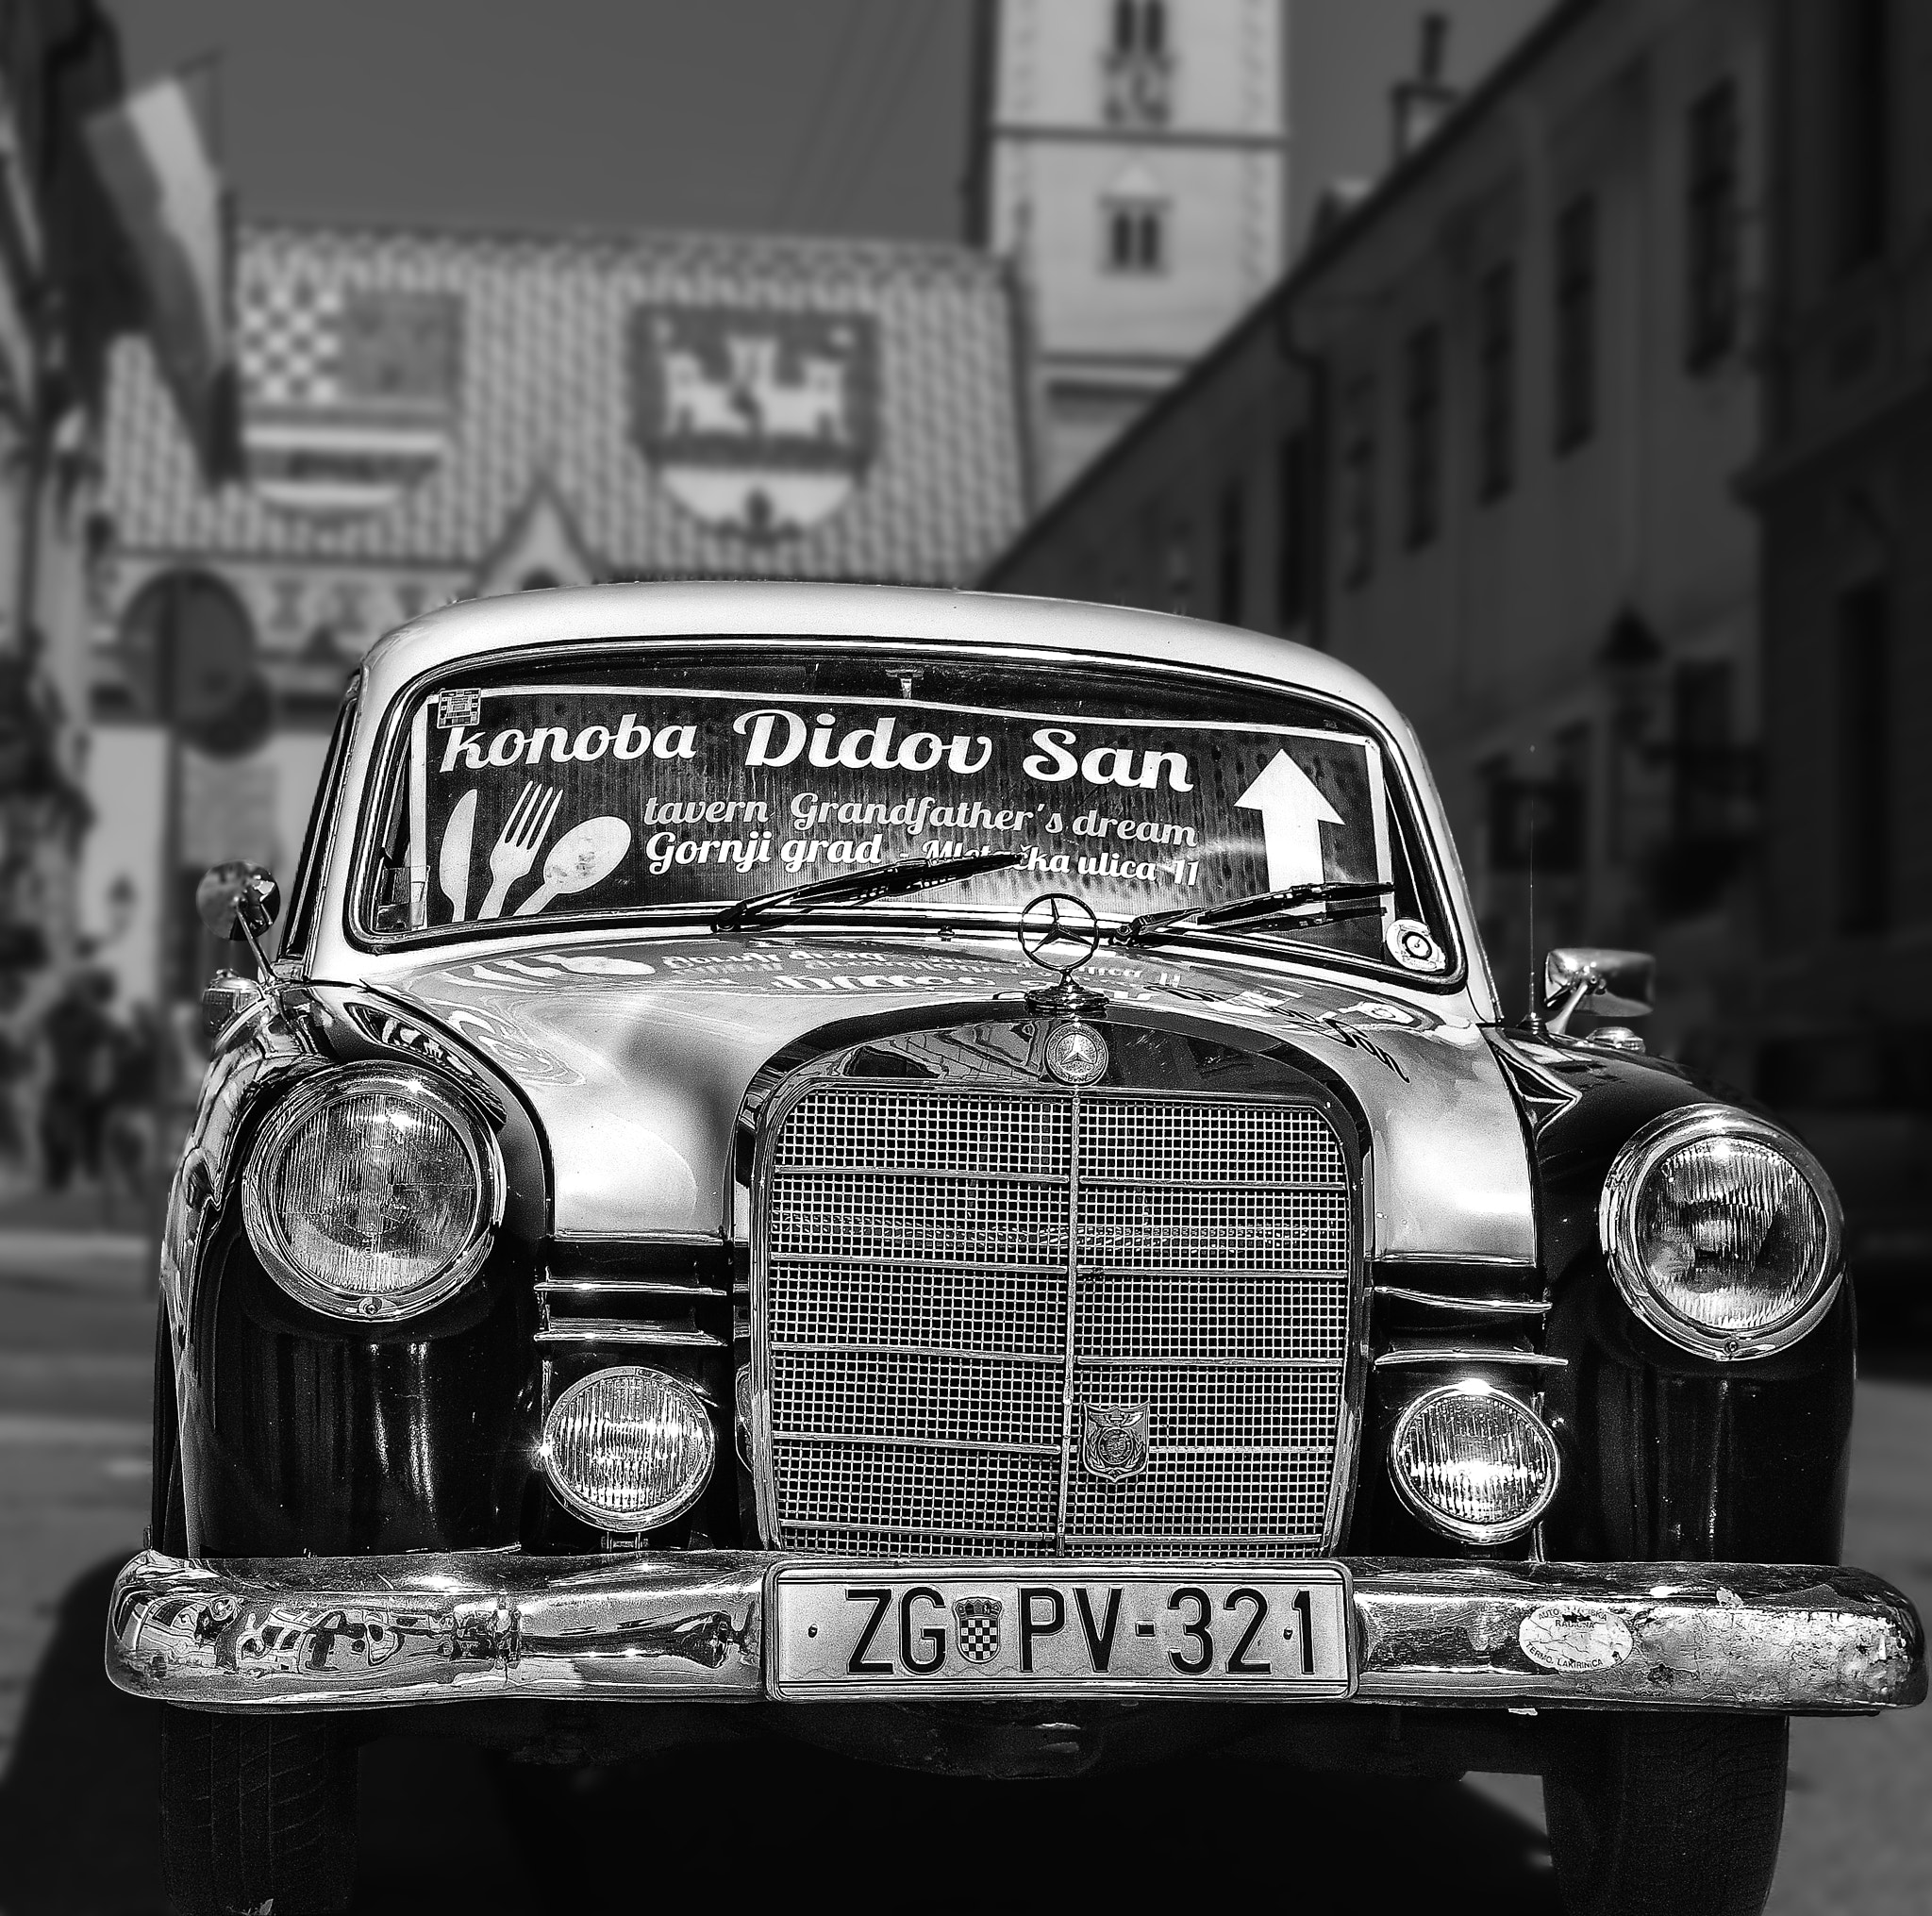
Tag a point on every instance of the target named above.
point(361, 1633)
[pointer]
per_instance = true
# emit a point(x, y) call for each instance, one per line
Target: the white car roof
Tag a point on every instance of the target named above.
point(699, 608)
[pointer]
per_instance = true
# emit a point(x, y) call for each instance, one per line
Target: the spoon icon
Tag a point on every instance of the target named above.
point(583, 856)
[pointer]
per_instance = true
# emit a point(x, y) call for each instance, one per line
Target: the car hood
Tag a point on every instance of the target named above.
point(636, 1056)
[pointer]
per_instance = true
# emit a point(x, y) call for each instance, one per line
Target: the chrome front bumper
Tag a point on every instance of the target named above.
point(362, 1633)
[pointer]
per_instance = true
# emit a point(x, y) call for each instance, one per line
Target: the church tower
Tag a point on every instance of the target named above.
point(1130, 156)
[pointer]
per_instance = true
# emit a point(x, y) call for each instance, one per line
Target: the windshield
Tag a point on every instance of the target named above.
point(650, 783)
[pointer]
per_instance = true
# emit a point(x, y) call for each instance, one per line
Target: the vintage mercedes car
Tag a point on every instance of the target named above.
point(944, 1177)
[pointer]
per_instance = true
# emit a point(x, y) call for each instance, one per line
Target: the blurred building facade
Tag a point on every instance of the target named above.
point(1482, 444)
point(1844, 488)
point(65, 291)
point(429, 416)
point(1131, 158)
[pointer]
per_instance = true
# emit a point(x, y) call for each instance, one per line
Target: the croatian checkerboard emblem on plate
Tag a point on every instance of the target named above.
point(978, 1620)
point(1113, 1441)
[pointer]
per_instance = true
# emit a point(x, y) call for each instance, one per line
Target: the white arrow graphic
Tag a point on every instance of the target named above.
point(1292, 814)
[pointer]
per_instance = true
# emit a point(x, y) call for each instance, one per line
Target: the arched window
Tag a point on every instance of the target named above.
point(1140, 26)
point(1134, 223)
point(1136, 68)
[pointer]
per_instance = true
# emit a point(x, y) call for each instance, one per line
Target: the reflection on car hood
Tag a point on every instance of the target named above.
point(635, 1055)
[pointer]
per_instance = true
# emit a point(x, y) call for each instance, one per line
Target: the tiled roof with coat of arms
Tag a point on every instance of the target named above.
point(699, 405)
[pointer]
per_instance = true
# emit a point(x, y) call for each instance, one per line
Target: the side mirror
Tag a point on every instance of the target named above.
point(1612, 984)
point(238, 902)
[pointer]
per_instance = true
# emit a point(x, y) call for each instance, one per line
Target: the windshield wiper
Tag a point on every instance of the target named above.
point(860, 888)
point(1303, 903)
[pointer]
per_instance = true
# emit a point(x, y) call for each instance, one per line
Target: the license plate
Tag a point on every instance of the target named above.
point(1049, 1629)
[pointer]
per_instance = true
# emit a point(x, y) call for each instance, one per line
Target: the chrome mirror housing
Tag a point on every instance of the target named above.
point(237, 902)
point(1612, 984)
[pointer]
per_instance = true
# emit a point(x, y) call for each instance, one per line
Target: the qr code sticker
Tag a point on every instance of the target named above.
point(454, 708)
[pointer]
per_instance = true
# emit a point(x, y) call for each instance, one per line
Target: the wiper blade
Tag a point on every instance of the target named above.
point(1325, 903)
point(860, 888)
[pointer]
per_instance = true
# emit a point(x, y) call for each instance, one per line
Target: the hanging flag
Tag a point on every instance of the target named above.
point(350, 391)
point(154, 159)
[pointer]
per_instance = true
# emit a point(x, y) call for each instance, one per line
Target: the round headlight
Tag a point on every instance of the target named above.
point(1722, 1232)
point(628, 1449)
point(1474, 1463)
point(372, 1192)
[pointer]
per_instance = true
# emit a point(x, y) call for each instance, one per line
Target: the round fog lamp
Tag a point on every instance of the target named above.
point(1473, 1462)
point(628, 1449)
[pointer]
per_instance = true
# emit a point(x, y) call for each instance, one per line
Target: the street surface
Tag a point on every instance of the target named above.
point(444, 1829)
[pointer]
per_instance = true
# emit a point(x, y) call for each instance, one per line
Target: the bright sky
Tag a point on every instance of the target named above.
point(806, 115)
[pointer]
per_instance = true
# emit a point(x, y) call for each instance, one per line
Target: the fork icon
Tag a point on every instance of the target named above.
point(515, 850)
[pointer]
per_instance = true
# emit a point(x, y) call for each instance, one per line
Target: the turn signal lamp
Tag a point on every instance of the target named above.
point(1721, 1231)
point(628, 1449)
point(372, 1192)
point(1473, 1462)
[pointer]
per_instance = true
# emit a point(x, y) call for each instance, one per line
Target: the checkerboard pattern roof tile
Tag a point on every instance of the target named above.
point(546, 388)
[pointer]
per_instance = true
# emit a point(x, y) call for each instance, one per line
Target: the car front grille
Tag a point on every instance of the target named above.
point(939, 1271)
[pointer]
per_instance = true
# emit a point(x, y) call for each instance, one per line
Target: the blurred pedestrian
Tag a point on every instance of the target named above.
point(78, 1035)
point(128, 1129)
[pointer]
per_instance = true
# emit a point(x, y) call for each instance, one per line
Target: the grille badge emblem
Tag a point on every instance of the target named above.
point(1113, 1441)
point(978, 1620)
point(1076, 1053)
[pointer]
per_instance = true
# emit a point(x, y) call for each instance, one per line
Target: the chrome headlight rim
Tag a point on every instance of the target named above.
point(472, 1131)
point(632, 1524)
point(1616, 1223)
point(1462, 1528)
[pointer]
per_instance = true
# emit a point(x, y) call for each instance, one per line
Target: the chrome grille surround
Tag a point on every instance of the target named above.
point(943, 1276)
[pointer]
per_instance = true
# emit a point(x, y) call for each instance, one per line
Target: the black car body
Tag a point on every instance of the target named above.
point(1056, 1317)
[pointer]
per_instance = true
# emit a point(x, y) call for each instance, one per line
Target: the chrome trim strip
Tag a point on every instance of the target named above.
point(608, 1330)
point(1443, 1300)
point(878, 1440)
point(853, 1350)
point(298, 1633)
point(1470, 1354)
point(601, 1241)
point(1444, 1261)
point(624, 1287)
point(1071, 1330)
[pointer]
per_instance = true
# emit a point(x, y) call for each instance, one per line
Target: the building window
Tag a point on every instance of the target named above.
point(1864, 129)
point(1140, 26)
point(1358, 488)
point(1864, 759)
point(1137, 71)
point(1712, 229)
point(1576, 325)
point(1231, 556)
point(1423, 423)
point(1701, 800)
point(1136, 236)
point(1495, 460)
point(1292, 585)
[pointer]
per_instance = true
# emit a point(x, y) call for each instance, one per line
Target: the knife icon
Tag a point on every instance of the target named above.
point(453, 866)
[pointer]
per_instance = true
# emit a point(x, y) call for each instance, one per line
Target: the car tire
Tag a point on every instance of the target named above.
point(257, 1812)
point(1660, 1815)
